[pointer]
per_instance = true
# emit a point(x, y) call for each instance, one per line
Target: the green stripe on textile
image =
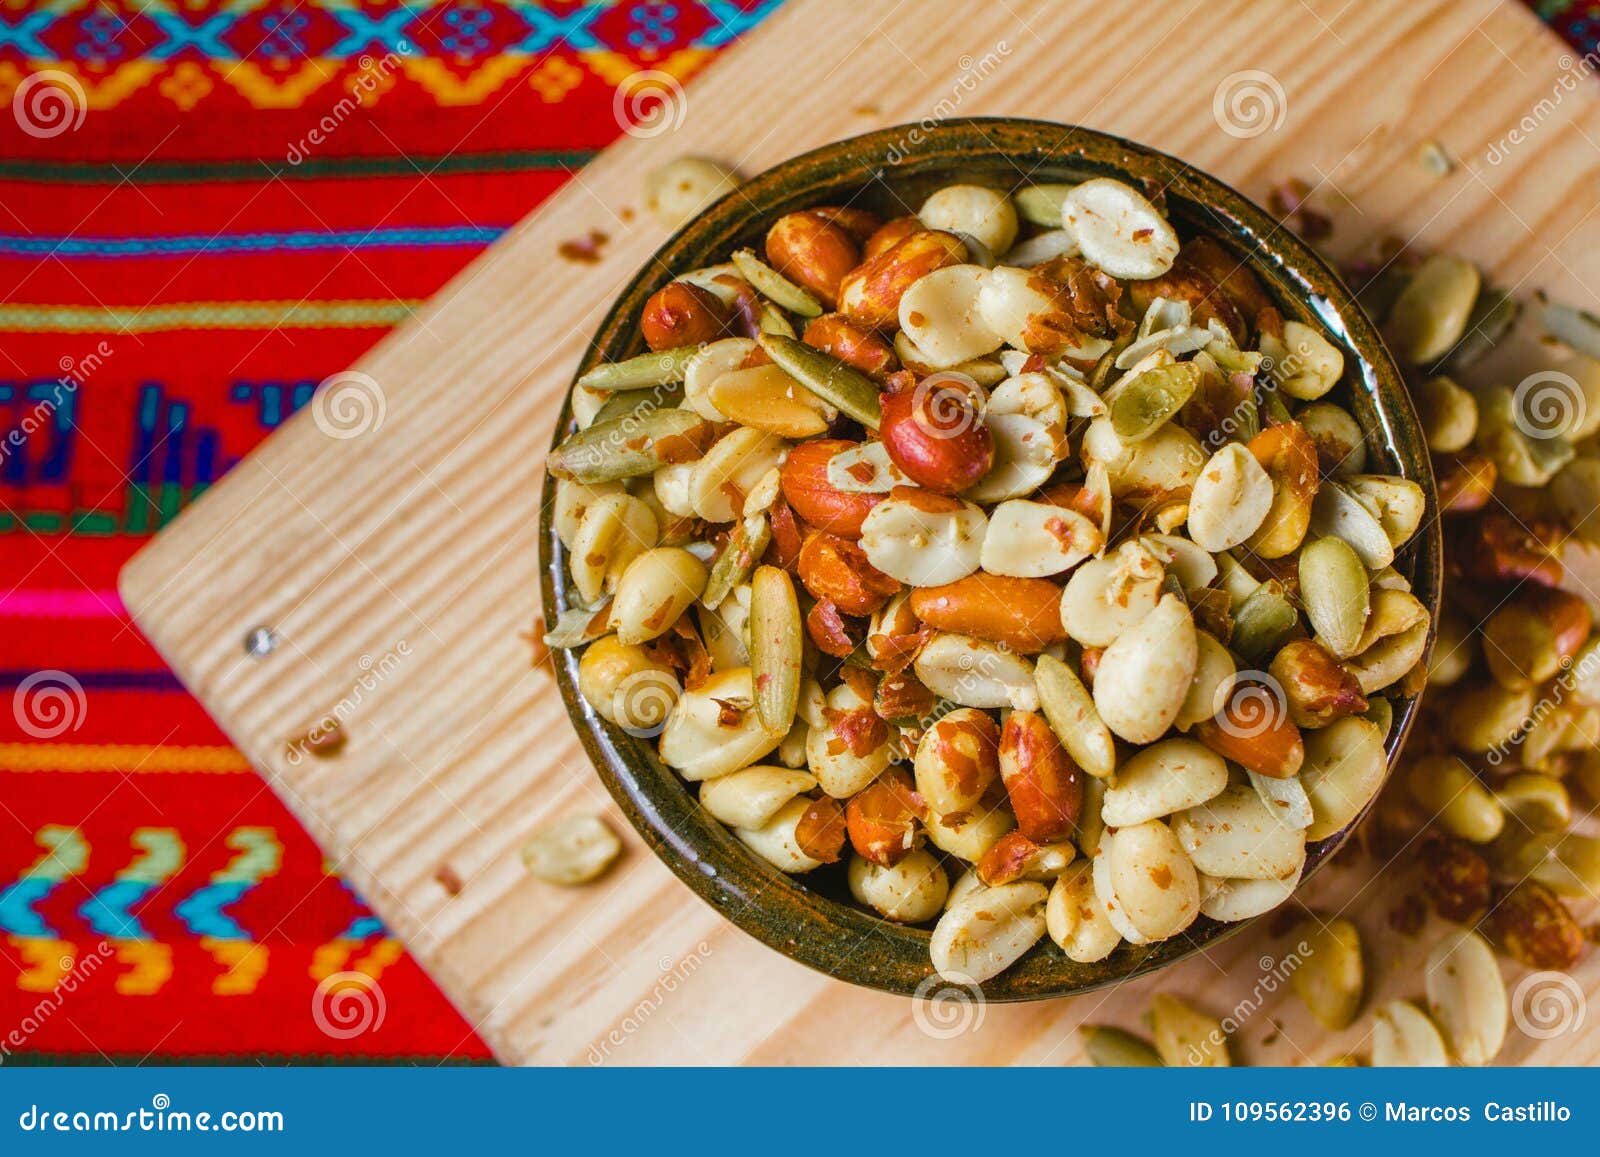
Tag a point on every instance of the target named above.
point(205, 315)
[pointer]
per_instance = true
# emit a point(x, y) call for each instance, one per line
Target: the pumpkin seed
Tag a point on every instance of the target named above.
point(1467, 996)
point(1331, 978)
point(776, 641)
point(657, 368)
point(576, 626)
point(1338, 512)
point(746, 544)
point(1041, 204)
point(1263, 621)
point(1285, 798)
point(1577, 328)
point(830, 379)
point(774, 286)
point(1186, 1038)
point(1114, 1048)
point(571, 850)
point(1334, 588)
point(631, 446)
point(1070, 710)
point(637, 402)
point(1144, 403)
point(1493, 315)
point(1431, 313)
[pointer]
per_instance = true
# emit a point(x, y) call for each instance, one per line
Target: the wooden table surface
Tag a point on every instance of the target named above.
point(400, 558)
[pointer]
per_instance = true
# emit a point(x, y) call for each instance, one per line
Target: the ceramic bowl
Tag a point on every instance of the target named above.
point(812, 918)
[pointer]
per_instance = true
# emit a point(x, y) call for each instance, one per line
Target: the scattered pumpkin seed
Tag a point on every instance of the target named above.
point(747, 542)
point(826, 376)
point(1144, 403)
point(657, 368)
point(774, 286)
point(630, 446)
point(1186, 1038)
point(1115, 1048)
point(1336, 592)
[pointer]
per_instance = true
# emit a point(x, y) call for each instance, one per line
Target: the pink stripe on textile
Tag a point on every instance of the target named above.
point(34, 604)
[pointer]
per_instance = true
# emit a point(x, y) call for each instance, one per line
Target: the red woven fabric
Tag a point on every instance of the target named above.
point(204, 212)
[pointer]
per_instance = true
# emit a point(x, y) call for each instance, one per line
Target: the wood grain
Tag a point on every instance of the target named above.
point(398, 566)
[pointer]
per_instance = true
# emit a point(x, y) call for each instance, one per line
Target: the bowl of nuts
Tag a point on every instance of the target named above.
point(992, 553)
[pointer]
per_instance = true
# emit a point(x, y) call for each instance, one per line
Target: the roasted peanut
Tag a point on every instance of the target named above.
point(1316, 688)
point(837, 569)
point(681, 314)
point(851, 343)
point(810, 248)
point(871, 292)
point(882, 819)
point(935, 433)
point(1043, 783)
point(1021, 613)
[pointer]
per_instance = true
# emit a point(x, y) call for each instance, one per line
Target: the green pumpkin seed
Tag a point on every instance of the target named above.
point(1381, 712)
point(832, 380)
point(1041, 204)
point(1493, 315)
point(632, 445)
point(1143, 404)
point(1070, 710)
point(747, 542)
point(1336, 592)
point(776, 641)
point(576, 626)
point(634, 402)
point(1263, 621)
point(656, 368)
point(1431, 313)
point(1113, 1048)
point(1577, 328)
point(774, 286)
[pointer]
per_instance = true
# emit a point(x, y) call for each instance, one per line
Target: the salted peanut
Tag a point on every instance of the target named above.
point(1021, 613)
point(571, 850)
point(1215, 673)
point(1449, 414)
point(851, 343)
point(908, 891)
point(976, 673)
point(924, 539)
point(1463, 806)
point(810, 248)
point(1074, 920)
point(1231, 498)
point(615, 529)
point(1535, 801)
point(681, 314)
point(730, 470)
point(1156, 782)
point(1234, 836)
point(1193, 567)
point(1230, 901)
point(750, 798)
point(723, 629)
point(1042, 247)
point(1392, 642)
point(670, 485)
point(840, 571)
point(1305, 364)
point(1037, 539)
point(1575, 490)
point(1015, 857)
point(983, 214)
point(807, 488)
point(871, 292)
point(1144, 675)
point(1029, 310)
point(1336, 593)
point(1431, 313)
point(572, 500)
point(1186, 1038)
point(1317, 690)
point(1105, 891)
point(714, 729)
point(655, 589)
point(626, 685)
point(1467, 997)
point(681, 188)
point(1527, 437)
point(1331, 978)
point(852, 748)
point(1024, 458)
point(1036, 394)
point(708, 365)
point(1119, 230)
point(940, 314)
point(1538, 635)
point(1398, 502)
point(1568, 863)
point(1489, 716)
point(767, 398)
point(1106, 597)
point(1465, 482)
point(587, 404)
point(890, 234)
point(882, 819)
point(965, 885)
point(1404, 1037)
point(1070, 708)
point(1153, 881)
point(1168, 462)
point(1252, 727)
point(820, 832)
point(934, 431)
point(1344, 768)
point(777, 841)
point(1454, 649)
point(1044, 785)
point(1290, 460)
point(983, 935)
point(969, 836)
point(1337, 436)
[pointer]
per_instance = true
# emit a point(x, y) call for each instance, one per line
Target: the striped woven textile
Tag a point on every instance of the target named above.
point(206, 208)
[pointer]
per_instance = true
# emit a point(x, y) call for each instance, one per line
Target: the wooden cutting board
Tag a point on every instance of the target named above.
point(398, 566)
